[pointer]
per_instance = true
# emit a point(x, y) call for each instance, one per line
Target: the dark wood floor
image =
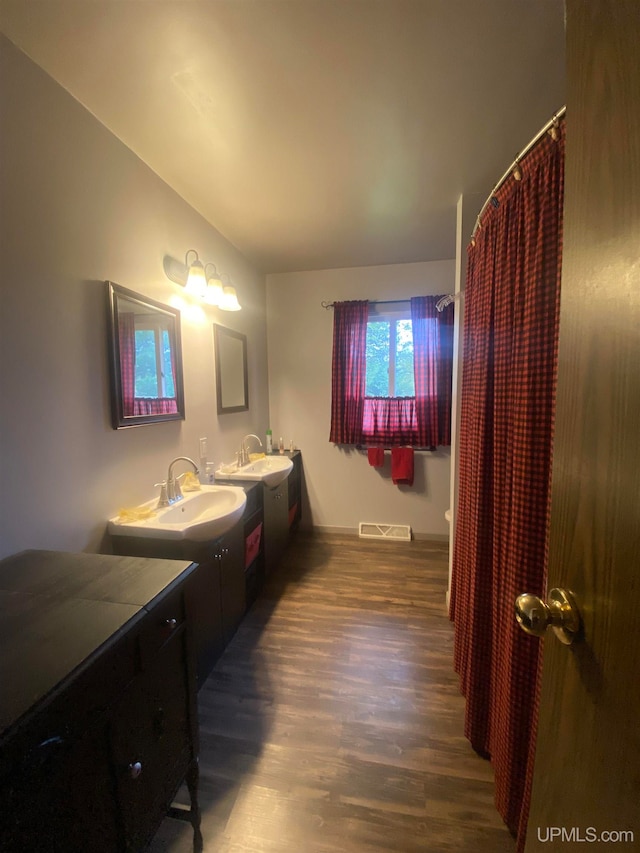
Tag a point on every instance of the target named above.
point(333, 721)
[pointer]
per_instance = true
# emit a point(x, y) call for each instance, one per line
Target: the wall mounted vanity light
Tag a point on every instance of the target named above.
point(196, 279)
point(203, 282)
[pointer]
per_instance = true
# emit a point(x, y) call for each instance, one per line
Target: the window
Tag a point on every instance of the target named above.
point(391, 374)
point(389, 357)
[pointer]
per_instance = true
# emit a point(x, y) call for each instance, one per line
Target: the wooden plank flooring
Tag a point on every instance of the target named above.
point(333, 721)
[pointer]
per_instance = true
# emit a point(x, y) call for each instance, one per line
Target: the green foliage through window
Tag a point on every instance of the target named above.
point(390, 358)
point(146, 374)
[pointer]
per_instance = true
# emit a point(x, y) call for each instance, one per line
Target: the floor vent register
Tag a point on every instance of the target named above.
point(368, 530)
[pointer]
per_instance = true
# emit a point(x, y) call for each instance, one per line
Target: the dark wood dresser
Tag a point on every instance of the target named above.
point(98, 717)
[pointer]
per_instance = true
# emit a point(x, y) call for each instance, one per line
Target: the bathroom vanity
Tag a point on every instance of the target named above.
point(278, 508)
point(218, 591)
point(233, 565)
point(98, 717)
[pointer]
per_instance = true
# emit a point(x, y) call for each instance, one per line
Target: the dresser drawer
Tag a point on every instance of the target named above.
point(163, 621)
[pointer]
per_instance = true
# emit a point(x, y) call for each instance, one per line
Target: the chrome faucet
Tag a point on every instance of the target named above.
point(174, 492)
point(243, 455)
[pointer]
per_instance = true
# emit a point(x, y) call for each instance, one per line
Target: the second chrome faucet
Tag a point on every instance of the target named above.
point(243, 453)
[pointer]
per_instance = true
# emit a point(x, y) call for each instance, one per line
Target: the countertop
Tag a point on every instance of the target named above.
point(57, 609)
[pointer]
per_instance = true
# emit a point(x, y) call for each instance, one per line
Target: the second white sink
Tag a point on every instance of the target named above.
point(270, 470)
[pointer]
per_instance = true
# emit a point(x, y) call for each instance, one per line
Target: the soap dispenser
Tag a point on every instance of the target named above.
point(269, 442)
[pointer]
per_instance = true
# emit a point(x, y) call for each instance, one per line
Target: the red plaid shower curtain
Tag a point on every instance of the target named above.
point(507, 408)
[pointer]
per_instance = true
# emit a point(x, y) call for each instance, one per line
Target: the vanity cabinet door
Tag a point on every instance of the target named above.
point(216, 597)
point(232, 583)
point(151, 741)
point(276, 525)
point(205, 615)
point(295, 491)
point(253, 556)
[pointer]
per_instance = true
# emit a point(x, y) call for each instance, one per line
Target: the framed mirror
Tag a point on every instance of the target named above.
point(232, 378)
point(145, 356)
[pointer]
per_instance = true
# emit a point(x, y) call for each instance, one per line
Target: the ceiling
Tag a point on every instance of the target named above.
point(311, 133)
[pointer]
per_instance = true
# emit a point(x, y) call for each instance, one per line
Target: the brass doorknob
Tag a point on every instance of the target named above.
point(560, 612)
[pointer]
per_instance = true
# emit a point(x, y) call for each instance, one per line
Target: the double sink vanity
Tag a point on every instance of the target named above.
point(236, 529)
point(101, 657)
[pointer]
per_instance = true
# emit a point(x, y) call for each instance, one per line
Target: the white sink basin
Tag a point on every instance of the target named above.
point(199, 516)
point(271, 470)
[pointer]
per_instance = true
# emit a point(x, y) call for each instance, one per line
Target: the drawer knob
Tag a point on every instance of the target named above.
point(135, 769)
point(171, 623)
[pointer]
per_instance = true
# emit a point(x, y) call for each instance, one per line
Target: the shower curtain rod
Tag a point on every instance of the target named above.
point(553, 122)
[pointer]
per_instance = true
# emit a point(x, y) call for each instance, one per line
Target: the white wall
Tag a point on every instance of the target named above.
point(342, 488)
point(78, 207)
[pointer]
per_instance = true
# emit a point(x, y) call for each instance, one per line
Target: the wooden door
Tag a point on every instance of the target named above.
point(587, 771)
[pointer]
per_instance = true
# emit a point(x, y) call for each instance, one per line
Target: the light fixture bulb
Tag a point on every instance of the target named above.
point(196, 279)
point(229, 300)
point(214, 291)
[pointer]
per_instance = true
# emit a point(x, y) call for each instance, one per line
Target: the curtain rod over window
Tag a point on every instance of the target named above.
point(328, 305)
point(440, 305)
point(549, 127)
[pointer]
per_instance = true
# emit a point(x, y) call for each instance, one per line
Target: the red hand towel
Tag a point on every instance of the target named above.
point(376, 456)
point(402, 465)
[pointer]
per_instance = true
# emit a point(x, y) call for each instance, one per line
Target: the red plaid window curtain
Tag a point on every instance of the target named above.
point(390, 421)
point(432, 368)
point(155, 405)
point(349, 371)
point(127, 336)
point(506, 429)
